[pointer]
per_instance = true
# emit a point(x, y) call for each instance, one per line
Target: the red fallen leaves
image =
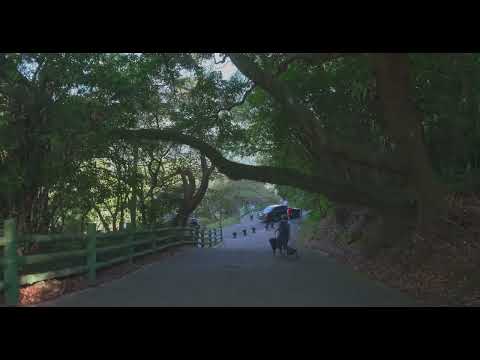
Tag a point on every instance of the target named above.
point(41, 291)
point(439, 268)
point(433, 284)
point(50, 289)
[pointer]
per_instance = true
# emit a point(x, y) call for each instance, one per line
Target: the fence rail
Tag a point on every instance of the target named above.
point(122, 246)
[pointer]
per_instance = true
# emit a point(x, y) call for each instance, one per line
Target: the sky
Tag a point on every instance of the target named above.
point(227, 69)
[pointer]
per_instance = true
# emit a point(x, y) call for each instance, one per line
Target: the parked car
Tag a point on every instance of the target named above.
point(273, 213)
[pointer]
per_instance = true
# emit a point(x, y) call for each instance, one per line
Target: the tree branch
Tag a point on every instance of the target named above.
point(224, 58)
point(188, 187)
point(337, 190)
point(307, 122)
point(102, 219)
point(311, 58)
point(206, 172)
point(241, 101)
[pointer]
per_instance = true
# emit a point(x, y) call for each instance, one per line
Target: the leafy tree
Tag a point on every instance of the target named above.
point(393, 132)
point(226, 197)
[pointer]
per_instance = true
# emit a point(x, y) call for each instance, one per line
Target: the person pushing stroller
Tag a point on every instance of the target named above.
point(283, 236)
point(282, 239)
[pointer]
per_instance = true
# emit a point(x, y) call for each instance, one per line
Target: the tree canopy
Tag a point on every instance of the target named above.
point(95, 134)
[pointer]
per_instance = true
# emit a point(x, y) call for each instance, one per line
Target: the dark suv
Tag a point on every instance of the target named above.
point(273, 213)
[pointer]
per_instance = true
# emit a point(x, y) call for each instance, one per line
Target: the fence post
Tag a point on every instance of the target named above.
point(12, 286)
point(221, 233)
point(92, 252)
point(215, 236)
point(197, 237)
point(209, 237)
point(203, 238)
point(178, 233)
point(131, 234)
point(181, 234)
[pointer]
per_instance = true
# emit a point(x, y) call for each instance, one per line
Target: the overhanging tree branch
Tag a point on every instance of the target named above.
point(339, 191)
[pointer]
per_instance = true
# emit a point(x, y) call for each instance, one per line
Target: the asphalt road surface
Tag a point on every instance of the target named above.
point(241, 272)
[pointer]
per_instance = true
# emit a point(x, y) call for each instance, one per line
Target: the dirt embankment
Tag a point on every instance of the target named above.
point(440, 269)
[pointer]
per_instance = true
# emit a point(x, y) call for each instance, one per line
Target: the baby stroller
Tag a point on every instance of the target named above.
point(284, 249)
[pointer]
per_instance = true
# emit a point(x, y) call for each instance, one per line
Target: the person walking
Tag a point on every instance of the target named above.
point(283, 236)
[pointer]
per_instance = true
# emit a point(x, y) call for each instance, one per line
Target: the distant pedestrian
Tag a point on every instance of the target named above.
point(289, 213)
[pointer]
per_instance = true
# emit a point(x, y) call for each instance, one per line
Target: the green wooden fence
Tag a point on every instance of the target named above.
point(70, 254)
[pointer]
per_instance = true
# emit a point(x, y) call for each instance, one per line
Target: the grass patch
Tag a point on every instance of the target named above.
point(212, 224)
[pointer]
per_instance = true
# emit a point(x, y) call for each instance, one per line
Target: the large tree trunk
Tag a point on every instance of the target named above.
point(133, 202)
point(182, 216)
point(25, 214)
point(82, 220)
point(403, 124)
point(192, 196)
point(185, 208)
point(114, 222)
point(122, 217)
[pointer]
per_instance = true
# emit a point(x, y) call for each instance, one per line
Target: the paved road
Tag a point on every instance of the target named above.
point(243, 272)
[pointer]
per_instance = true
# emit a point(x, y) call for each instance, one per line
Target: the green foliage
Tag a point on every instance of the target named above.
point(54, 109)
point(210, 223)
point(227, 197)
